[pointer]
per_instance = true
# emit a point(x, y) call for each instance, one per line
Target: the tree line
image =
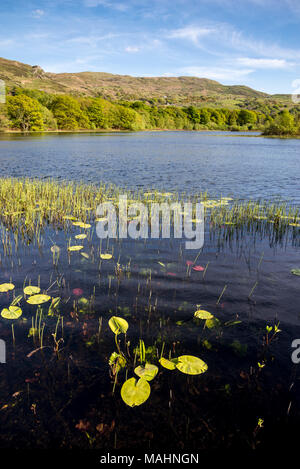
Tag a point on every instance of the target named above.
point(34, 110)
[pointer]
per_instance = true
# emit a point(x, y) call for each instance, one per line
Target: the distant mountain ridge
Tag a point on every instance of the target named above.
point(172, 90)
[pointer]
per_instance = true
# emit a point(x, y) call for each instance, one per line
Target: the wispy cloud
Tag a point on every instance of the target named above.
point(38, 13)
point(108, 4)
point(216, 73)
point(264, 63)
point(191, 33)
point(6, 42)
point(132, 49)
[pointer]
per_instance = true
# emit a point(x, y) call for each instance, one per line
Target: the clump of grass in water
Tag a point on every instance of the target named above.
point(27, 206)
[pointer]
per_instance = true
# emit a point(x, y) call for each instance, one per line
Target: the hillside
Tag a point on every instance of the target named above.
point(167, 90)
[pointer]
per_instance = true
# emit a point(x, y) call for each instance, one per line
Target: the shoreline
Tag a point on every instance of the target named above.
point(82, 131)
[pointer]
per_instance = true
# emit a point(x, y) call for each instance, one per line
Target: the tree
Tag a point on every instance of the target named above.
point(68, 113)
point(25, 113)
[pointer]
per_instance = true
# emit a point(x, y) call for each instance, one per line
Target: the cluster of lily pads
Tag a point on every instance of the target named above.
point(32, 295)
point(135, 392)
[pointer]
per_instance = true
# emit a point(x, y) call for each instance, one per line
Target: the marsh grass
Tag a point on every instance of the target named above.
point(27, 206)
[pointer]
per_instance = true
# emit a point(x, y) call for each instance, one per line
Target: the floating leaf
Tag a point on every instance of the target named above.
point(38, 299)
point(75, 248)
point(191, 365)
point(81, 224)
point(5, 287)
point(106, 256)
point(202, 314)
point(31, 290)
point(295, 271)
point(213, 322)
point(135, 392)
point(169, 364)
point(13, 312)
point(69, 217)
point(148, 372)
point(81, 236)
point(118, 325)
point(85, 255)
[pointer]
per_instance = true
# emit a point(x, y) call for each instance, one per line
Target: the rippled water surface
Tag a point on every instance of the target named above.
point(244, 165)
point(57, 389)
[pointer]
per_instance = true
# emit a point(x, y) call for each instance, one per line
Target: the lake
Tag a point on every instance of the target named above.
point(62, 385)
point(227, 163)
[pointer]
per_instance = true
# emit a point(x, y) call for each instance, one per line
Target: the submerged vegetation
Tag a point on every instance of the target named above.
point(187, 350)
point(34, 110)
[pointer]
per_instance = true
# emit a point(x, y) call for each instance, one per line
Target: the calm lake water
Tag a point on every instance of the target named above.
point(227, 163)
point(63, 397)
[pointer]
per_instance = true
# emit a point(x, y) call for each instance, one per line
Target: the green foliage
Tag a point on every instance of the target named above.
point(35, 110)
point(283, 125)
point(68, 113)
point(25, 113)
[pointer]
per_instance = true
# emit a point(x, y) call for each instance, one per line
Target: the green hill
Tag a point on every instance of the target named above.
point(165, 90)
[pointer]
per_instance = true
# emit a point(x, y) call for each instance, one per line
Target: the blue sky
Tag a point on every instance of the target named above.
point(251, 42)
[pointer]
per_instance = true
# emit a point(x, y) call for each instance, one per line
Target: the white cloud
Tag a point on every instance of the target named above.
point(214, 38)
point(191, 33)
point(132, 49)
point(6, 42)
point(109, 4)
point(216, 73)
point(38, 13)
point(264, 63)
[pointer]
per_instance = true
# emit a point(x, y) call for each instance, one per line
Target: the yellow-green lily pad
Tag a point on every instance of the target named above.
point(81, 236)
point(38, 299)
point(135, 392)
point(168, 364)
point(13, 312)
point(5, 287)
point(191, 365)
point(148, 372)
point(202, 314)
point(106, 256)
point(75, 248)
point(118, 325)
point(31, 290)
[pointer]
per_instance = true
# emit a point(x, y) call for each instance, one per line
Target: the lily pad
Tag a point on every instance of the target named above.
point(75, 248)
point(135, 392)
point(106, 256)
point(213, 322)
point(168, 364)
point(85, 255)
point(118, 325)
point(31, 290)
point(81, 224)
point(191, 365)
point(202, 314)
point(148, 372)
point(5, 287)
point(38, 299)
point(81, 236)
point(295, 271)
point(13, 312)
